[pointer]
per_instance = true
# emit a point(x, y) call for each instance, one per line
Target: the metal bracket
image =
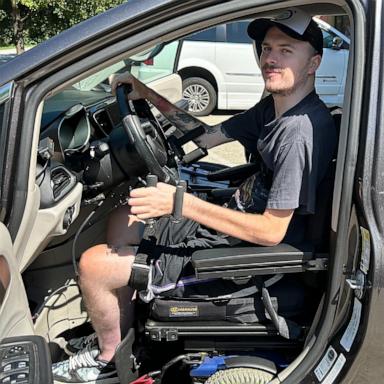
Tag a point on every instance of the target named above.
point(167, 334)
point(171, 335)
point(317, 264)
point(358, 282)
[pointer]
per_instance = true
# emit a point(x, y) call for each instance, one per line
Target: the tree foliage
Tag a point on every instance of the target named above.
point(32, 21)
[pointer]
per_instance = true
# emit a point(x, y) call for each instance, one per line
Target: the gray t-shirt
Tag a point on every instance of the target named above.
point(295, 151)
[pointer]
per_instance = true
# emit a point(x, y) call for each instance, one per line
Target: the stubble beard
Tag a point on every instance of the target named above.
point(284, 90)
point(281, 89)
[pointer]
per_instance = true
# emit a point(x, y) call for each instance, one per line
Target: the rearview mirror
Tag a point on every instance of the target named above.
point(147, 54)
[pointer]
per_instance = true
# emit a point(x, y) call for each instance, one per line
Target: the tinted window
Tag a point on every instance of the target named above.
point(237, 32)
point(206, 35)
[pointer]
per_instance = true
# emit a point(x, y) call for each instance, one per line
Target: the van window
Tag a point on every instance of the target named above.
point(328, 40)
point(206, 35)
point(237, 32)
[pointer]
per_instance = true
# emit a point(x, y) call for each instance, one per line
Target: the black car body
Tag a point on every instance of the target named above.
point(40, 214)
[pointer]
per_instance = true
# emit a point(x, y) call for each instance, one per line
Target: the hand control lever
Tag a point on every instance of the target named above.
point(151, 181)
point(178, 202)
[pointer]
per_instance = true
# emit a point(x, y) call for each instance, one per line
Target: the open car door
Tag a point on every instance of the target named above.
point(24, 356)
point(14, 309)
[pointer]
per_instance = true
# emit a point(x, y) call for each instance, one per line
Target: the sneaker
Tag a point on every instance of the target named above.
point(85, 368)
point(78, 344)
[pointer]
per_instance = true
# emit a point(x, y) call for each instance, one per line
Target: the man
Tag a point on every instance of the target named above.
point(293, 134)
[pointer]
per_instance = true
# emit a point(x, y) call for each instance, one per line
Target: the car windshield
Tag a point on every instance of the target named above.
point(99, 80)
point(147, 66)
point(150, 65)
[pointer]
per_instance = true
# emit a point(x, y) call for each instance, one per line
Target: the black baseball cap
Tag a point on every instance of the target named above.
point(293, 22)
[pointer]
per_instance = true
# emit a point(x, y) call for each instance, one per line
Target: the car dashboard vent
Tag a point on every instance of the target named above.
point(61, 182)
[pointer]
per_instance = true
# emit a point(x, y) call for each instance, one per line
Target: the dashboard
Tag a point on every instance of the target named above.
point(84, 157)
point(83, 142)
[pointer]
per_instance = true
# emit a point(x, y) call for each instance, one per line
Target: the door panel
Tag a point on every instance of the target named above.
point(15, 318)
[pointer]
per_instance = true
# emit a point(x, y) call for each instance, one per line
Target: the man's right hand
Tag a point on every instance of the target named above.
point(139, 90)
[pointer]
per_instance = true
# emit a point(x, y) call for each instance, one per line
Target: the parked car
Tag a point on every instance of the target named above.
point(68, 157)
point(4, 58)
point(213, 78)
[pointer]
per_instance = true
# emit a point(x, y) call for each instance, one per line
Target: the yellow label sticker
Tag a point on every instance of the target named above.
point(365, 249)
point(184, 311)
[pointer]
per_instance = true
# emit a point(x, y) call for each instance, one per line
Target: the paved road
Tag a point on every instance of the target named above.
point(230, 153)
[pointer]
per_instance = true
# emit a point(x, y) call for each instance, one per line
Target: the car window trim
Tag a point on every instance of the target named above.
point(5, 96)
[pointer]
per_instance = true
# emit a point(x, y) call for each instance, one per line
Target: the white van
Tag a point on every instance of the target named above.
point(213, 78)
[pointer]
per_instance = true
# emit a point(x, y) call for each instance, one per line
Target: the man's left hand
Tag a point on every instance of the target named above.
point(152, 201)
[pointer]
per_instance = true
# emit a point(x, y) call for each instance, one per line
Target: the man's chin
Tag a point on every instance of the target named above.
point(275, 90)
point(278, 90)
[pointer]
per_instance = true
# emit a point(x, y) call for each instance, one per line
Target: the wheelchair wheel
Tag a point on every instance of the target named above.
point(240, 376)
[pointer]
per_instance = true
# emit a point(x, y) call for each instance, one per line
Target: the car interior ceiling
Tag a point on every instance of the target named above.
point(64, 152)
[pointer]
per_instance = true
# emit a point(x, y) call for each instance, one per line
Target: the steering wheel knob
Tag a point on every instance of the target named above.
point(151, 180)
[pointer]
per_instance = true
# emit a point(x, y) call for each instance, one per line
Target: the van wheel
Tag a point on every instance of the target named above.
point(240, 376)
point(200, 94)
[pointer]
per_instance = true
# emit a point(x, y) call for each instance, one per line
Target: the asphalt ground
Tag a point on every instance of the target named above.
point(230, 153)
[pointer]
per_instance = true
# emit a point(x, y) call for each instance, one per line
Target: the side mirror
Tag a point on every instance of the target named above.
point(337, 43)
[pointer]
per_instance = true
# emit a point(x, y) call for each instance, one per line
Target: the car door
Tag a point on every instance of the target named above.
point(14, 310)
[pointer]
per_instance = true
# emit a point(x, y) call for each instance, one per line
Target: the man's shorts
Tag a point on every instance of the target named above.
point(168, 246)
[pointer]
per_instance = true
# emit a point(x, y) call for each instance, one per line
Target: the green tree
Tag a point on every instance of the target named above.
point(36, 20)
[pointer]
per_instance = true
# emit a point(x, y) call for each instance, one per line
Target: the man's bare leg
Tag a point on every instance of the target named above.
point(124, 229)
point(105, 269)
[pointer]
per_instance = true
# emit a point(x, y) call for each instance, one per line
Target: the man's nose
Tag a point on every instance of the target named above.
point(270, 57)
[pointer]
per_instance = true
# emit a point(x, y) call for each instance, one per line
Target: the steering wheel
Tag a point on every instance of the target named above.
point(147, 136)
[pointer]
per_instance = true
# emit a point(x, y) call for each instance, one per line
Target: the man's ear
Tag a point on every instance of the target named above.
point(314, 64)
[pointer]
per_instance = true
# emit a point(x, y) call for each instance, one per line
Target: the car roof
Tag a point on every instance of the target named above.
point(76, 36)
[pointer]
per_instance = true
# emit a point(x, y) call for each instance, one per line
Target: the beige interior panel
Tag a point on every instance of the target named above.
point(47, 224)
point(62, 312)
point(14, 310)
